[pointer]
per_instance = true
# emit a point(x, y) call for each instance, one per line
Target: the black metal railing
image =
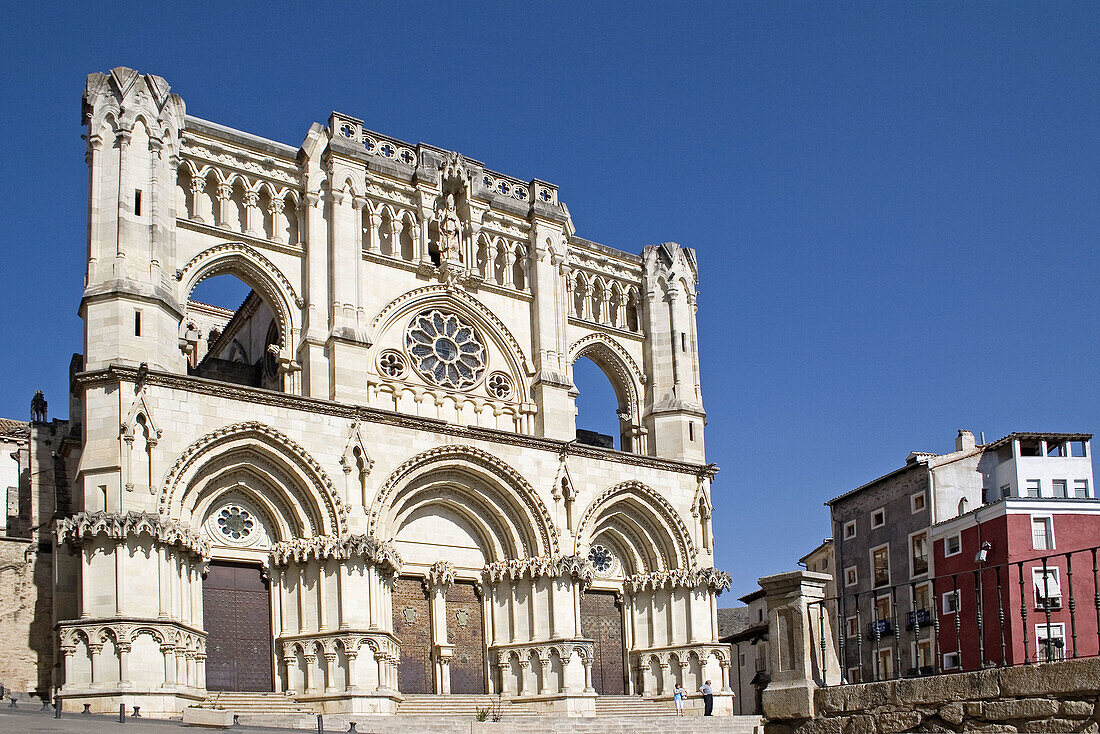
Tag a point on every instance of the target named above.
point(1019, 613)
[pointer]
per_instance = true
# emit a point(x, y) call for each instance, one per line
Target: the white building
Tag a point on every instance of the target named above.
point(365, 483)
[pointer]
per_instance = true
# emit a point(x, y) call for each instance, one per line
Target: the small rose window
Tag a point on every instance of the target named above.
point(445, 350)
point(235, 523)
point(499, 385)
point(601, 558)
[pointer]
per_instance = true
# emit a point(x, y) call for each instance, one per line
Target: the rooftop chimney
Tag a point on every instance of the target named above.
point(964, 441)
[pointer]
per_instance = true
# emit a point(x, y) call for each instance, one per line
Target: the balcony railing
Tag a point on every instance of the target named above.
point(1019, 613)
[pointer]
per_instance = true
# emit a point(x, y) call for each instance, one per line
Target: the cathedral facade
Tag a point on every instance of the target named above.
point(366, 481)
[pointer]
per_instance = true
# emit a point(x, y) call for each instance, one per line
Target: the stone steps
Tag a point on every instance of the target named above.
point(459, 705)
point(246, 703)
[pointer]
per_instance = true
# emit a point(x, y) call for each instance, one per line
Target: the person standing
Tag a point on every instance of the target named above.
point(678, 696)
point(708, 698)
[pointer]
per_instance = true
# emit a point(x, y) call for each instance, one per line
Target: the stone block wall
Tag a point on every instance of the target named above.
point(1054, 697)
point(26, 637)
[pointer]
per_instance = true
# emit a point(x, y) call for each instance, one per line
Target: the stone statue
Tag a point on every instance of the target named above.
point(38, 407)
point(450, 229)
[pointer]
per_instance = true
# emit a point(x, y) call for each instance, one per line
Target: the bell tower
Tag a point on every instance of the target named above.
point(130, 311)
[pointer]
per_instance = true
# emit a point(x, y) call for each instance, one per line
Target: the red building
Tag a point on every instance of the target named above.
point(1032, 561)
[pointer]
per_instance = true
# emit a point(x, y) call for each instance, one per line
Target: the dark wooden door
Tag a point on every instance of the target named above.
point(465, 631)
point(236, 608)
point(413, 626)
point(602, 622)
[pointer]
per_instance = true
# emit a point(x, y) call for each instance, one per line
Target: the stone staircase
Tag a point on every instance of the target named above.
point(459, 704)
point(456, 714)
point(633, 706)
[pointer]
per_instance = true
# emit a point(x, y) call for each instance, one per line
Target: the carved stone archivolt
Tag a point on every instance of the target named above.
point(673, 524)
point(120, 526)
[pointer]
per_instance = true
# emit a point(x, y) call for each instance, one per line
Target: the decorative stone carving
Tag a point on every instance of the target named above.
point(682, 578)
point(119, 526)
point(329, 547)
point(441, 574)
point(450, 232)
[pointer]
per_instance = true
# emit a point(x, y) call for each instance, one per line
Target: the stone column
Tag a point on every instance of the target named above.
point(544, 670)
point(666, 669)
point(200, 670)
point(251, 212)
point(380, 661)
point(168, 651)
point(275, 211)
point(587, 663)
point(351, 683)
point(440, 577)
point(725, 665)
point(96, 649)
point(225, 191)
point(67, 656)
point(123, 663)
point(198, 187)
point(311, 660)
point(794, 650)
point(524, 677)
point(330, 671)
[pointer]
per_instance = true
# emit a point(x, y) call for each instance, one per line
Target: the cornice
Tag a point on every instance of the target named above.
point(202, 386)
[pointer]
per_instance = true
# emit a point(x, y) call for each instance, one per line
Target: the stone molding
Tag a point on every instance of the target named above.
point(703, 651)
point(503, 654)
point(574, 567)
point(121, 373)
point(120, 526)
point(125, 630)
point(313, 471)
point(331, 547)
point(681, 535)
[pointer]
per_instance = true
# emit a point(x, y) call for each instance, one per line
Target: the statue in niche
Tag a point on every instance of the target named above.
point(450, 230)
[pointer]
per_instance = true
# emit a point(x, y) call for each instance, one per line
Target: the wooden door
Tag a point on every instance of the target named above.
point(465, 630)
point(413, 626)
point(236, 607)
point(602, 622)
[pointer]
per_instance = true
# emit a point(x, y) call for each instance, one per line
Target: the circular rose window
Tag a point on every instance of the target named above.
point(235, 523)
point(601, 558)
point(445, 350)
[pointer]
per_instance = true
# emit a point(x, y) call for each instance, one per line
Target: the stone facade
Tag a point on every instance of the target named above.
point(379, 446)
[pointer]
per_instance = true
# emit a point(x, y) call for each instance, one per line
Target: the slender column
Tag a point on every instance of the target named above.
point(168, 651)
point(373, 580)
point(198, 187)
point(524, 678)
point(85, 587)
point(200, 670)
point(351, 683)
point(251, 212)
point(665, 668)
point(341, 586)
point(513, 602)
point(330, 671)
point(311, 661)
point(370, 241)
point(301, 602)
point(181, 667)
point(191, 677)
point(163, 583)
point(322, 597)
point(96, 650)
point(124, 662)
point(67, 657)
point(653, 618)
point(120, 575)
point(277, 599)
point(587, 663)
point(275, 211)
point(713, 616)
point(425, 220)
point(725, 676)
point(544, 675)
point(380, 661)
point(225, 191)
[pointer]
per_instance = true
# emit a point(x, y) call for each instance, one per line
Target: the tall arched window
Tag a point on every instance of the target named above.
point(598, 421)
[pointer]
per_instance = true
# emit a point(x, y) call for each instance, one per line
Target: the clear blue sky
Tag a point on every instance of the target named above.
point(896, 206)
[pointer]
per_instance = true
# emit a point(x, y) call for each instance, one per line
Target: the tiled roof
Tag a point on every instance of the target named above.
point(10, 427)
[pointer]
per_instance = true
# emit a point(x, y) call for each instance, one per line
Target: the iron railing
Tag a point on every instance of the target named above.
point(1018, 613)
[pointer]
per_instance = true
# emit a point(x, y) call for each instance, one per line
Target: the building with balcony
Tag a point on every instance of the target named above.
point(885, 600)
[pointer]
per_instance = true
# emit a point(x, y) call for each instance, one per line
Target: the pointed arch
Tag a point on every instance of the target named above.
point(495, 498)
point(268, 466)
point(464, 305)
point(257, 272)
point(640, 517)
point(621, 369)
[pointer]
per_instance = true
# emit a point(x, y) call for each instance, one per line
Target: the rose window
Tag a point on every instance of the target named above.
point(391, 364)
point(445, 350)
point(499, 385)
point(601, 558)
point(235, 522)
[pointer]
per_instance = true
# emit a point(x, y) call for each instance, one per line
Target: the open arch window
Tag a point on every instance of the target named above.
point(231, 334)
point(604, 403)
